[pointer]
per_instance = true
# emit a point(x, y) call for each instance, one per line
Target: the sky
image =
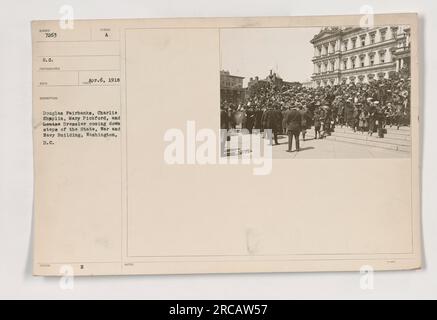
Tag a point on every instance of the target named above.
point(250, 52)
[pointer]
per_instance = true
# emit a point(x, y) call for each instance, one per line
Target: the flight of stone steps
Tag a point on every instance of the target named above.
point(399, 140)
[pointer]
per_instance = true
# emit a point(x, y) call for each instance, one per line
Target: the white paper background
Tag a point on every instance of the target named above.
point(16, 162)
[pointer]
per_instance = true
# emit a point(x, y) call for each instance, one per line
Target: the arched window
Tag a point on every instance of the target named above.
point(372, 58)
point(362, 61)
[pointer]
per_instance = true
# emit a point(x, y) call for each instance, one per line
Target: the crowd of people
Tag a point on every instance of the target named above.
point(364, 107)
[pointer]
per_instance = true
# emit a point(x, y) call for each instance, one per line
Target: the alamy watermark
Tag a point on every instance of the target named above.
point(228, 147)
point(367, 278)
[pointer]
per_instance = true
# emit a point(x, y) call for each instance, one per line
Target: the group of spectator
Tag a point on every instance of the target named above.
point(364, 107)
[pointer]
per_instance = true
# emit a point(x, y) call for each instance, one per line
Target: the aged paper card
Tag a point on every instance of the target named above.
point(226, 145)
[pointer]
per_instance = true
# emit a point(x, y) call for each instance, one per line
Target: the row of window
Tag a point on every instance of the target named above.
point(352, 43)
point(353, 79)
point(231, 83)
point(354, 62)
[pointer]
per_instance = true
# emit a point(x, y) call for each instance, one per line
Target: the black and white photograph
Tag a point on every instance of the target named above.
point(322, 92)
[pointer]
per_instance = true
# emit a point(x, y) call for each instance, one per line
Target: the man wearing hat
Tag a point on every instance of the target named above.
point(258, 117)
point(379, 120)
point(277, 122)
point(349, 110)
point(272, 121)
point(224, 126)
point(224, 118)
point(250, 118)
point(284, 111)
point(305, 119)
point(294, 125)
point(317, 122)
point(372, 116)
point(356, 116)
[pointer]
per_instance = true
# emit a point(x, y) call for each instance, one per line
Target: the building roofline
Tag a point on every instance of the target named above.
point(226, 73)
point(232, 76)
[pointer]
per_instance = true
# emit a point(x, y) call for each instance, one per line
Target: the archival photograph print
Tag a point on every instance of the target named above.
point(326, 92)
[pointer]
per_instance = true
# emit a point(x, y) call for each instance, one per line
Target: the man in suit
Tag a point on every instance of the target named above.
point(317, 123)
point(264, 121)
point(224, 118)
point(379, 120)
point(250, 119)
point(372, 117)
point(271, 121)
point(224, 126)
point(277, 122)
point(294, 126)
point(305, 119)
point(284, 111)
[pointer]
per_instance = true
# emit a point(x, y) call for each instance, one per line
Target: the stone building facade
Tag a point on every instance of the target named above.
point(231, 88)
point(346, 55)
